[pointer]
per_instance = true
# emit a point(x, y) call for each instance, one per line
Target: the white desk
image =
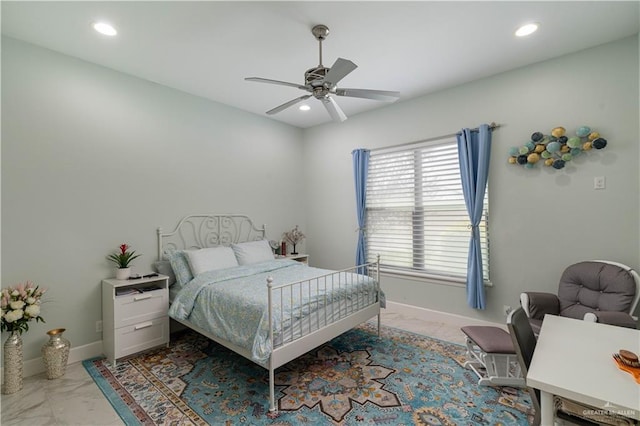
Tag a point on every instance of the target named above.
point(573, 360)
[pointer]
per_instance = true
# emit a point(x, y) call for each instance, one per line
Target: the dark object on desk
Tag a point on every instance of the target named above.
point(629, 358)
point(628, 355)
point(622, 365)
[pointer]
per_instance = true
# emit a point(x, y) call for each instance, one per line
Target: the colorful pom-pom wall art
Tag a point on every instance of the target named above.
point(556, 149)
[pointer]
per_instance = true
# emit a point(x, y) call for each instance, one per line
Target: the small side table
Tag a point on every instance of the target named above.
point(134, 315)
point(302, 258)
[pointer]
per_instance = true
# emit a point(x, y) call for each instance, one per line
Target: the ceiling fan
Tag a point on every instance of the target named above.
point(321, 83)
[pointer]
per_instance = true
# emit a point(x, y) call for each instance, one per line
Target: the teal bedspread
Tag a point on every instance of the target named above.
point(232, 303)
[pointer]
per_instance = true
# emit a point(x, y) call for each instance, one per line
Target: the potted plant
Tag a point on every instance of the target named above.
point(123, 260)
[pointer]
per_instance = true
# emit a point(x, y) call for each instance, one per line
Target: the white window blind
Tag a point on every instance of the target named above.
point(416, 218)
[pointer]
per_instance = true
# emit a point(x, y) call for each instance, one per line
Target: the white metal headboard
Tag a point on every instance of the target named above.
point(209, 230)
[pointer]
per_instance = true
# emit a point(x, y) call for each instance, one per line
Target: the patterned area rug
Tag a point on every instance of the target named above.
point(358, 378)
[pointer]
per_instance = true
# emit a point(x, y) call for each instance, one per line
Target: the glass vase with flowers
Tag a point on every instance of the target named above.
point(19, 305)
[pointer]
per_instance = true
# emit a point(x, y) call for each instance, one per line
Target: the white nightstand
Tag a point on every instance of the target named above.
point(302, 258)
point(134, 315)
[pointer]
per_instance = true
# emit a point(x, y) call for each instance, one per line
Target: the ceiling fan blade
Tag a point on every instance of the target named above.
point(333, 109)
point(281, 83)
point(287, 104)
point(339, 70)
point(378, 95)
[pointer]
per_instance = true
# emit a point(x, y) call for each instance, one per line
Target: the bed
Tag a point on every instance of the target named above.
point(269, 310)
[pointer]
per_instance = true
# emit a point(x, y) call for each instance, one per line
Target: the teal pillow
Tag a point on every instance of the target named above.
point(164, 267)
point(180, 265)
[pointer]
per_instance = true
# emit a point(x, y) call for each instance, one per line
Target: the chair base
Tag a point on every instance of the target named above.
point(492, 357)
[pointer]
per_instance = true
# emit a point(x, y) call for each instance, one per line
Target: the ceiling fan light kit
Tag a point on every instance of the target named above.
point(321, 82)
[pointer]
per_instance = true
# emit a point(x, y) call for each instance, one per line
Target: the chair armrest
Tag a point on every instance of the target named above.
point(537, 304)
point(621, 319)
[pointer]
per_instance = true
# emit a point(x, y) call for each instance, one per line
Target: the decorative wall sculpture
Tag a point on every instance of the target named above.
point(556, 149)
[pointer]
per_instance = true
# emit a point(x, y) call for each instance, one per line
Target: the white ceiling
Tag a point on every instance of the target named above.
point(206, 48)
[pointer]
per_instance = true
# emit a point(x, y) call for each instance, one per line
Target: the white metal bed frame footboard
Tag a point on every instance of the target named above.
point(210, 230)
point(350, 314)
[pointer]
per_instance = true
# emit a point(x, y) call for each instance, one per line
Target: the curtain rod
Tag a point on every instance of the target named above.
point(492, 126)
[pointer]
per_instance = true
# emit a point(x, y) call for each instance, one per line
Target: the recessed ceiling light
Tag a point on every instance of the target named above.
point(304, 107)
point(527, 29)
point(104, 28)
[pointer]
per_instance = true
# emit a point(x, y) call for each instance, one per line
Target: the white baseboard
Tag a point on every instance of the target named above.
point(35, 366)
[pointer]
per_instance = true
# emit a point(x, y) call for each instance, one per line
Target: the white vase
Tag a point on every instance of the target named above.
point(123, 273)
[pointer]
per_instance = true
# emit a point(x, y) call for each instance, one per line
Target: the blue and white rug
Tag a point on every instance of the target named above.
point(400, 378)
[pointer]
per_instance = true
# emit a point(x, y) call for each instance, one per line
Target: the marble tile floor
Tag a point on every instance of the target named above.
point(74, 399)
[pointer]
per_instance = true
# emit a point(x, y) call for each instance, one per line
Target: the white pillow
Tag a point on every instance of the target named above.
point(252, 252)
point(209, 259)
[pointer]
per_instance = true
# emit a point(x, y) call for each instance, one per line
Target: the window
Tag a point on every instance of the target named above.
point(416, 216)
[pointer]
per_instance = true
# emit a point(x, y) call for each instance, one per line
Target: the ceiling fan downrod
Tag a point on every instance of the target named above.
point(320, 32)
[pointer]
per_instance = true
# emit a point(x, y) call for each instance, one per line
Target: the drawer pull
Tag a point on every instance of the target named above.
point(143, 325)
point(145, 297)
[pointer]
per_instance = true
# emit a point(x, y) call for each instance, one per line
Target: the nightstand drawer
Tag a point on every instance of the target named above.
point(137, 308)
point(141, 336)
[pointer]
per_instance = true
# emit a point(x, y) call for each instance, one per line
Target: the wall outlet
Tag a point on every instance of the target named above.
point(507, 310)
point(98, 326)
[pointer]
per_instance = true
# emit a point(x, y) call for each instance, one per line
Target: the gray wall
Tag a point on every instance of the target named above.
point(93, 158)
point(541, 220)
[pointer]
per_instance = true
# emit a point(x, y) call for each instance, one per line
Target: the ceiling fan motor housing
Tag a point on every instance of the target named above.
point(314, 80)
point(315, 76)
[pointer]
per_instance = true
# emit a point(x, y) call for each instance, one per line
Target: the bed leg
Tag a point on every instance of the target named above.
point(379, 321)
point(272, 397)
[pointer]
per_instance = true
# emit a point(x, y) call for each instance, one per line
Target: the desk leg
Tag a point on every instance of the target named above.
point(546, 409)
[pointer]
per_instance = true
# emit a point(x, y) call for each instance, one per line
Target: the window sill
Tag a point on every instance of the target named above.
point(428, 278)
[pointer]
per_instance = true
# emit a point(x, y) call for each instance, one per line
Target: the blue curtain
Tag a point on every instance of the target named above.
point(474, 149)
point(360, 172)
